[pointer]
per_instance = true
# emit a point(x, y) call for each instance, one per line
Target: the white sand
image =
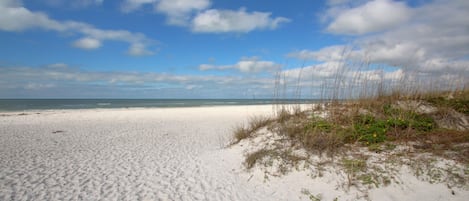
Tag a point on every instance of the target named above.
point(152, 154)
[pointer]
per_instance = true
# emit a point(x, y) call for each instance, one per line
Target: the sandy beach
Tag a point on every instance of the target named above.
point(154, 154)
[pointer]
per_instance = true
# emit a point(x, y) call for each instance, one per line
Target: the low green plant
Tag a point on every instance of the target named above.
point(422, 123)
point(375, 148)
point(318, 124)
point(354, 165)
point(369, 130)
point(397, 123)
point(368, 179)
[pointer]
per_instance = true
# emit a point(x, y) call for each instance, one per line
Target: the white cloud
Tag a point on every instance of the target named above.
point(246, 65)
point(10, 3)
point(255, 66)
point(320, 71)
point(60, 80)
point(429, 42)
point(178, 11)
point(219, 21)
point(87, 43)
point(197, 15)
point(330, 53)
point(138, 49)
point(205, 67)
point(15, 17)
point(37, 86)
point(374, 16)
point(427, 50)
point(132, 5)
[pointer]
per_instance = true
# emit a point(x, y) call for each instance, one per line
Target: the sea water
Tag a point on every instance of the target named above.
point(54, 104)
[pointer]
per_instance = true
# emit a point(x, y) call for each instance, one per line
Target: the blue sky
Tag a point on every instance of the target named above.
point(225, 49)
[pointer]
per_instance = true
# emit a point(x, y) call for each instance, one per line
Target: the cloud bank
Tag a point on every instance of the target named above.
point(246, 65)
point(16, 18)
point(62, 81)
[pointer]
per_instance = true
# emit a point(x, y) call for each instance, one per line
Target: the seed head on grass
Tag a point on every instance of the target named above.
point(240, 133)
point(255, 123)
point(258, 122)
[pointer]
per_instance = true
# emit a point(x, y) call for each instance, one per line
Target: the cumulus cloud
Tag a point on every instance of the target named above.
point(87, 43)
point(178, 12)
point(430, 36)
point(138, 49)
point(14, 17)
point(428, 42)
point(218, 21)
point(373, 16)
point(428, 49)
point(197, 15)
point(246, 65)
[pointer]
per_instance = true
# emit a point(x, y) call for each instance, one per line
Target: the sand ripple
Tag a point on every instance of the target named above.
point(135, 154)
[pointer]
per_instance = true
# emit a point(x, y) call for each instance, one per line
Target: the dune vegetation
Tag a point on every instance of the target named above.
point(370, 137)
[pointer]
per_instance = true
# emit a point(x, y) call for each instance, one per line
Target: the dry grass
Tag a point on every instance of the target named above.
point(253, 158)
point(283, 159)
point(367, 121)
point(255, 123)
point(365, 113)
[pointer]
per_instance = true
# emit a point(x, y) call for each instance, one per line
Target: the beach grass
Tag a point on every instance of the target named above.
point(255, 123)
point(399, 122)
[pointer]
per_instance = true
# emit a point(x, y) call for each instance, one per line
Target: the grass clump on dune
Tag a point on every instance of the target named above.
point(255, 123)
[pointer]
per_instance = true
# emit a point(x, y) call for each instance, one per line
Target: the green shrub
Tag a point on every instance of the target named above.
point(397, 123)
point(422, 123)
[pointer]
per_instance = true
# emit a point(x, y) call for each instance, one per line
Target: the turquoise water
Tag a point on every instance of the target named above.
point(50, 104)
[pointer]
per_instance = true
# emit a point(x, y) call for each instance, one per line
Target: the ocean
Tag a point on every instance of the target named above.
point(58, 104)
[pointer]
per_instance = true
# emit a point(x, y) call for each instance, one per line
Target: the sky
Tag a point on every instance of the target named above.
point(227, 49)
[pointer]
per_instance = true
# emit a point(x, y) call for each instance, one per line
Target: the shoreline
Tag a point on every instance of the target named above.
point(44, 111)
point(13, 105)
